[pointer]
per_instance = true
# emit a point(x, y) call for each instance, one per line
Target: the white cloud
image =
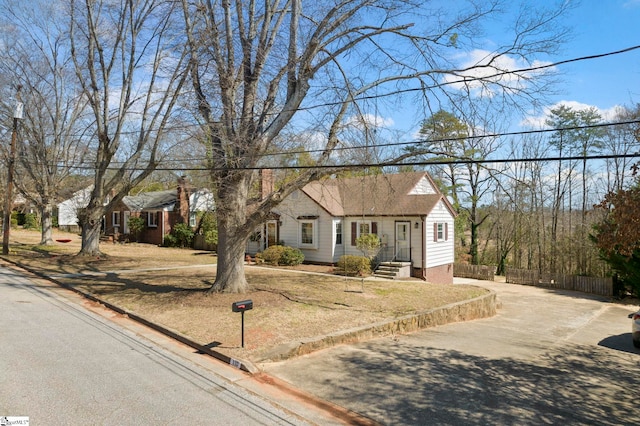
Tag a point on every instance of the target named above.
point(538, 122)
point(484, 65)
point(369, 120)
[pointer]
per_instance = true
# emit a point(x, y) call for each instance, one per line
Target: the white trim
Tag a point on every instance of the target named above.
point(154, 215)
point(336, 224)
point(115, 219)
point(359, 223)
point(314, 233)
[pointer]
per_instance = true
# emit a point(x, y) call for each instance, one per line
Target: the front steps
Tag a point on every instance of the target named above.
point(393, 270)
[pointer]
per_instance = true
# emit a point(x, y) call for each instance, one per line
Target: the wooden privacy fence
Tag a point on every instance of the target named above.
point(478, 272)
point(592, 285)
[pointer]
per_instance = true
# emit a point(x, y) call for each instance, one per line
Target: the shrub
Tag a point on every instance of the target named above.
point(291, 256)
point(30, 221)
point(136, 225)
point(209, 228)
point(183, 234)
point(282, 255)
point(170, 240)
point(355, 265)
point(368, 244)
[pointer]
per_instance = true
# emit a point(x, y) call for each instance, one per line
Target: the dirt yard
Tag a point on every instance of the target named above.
point(169, 286)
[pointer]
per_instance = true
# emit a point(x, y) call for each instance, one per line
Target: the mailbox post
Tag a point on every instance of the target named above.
point(241, 307)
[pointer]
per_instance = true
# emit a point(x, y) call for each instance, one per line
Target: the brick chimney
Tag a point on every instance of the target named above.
point(182, 201)
point(267, 182)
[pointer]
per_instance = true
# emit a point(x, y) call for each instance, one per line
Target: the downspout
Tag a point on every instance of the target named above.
point(423, 239)
point(162, 229)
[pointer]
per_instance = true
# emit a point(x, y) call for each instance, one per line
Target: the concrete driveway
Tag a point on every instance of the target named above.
point(548, 357)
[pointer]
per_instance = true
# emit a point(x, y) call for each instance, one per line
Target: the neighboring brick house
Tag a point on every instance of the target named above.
point(161, 211)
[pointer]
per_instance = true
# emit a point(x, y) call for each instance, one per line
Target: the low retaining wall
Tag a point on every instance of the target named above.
point(480, 307)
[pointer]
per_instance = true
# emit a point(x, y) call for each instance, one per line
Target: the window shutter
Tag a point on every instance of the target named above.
point(374, 228)
point(446, 231)
point(435, 232)
point(354, 233)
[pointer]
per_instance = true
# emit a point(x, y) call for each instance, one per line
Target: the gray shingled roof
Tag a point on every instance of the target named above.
point(377, 195)
point(156, 200)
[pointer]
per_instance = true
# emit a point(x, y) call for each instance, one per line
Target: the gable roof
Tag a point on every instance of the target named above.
point(403, 194)
point(199, 200)
point(155, 200)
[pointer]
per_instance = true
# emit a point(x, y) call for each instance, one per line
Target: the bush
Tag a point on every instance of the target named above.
point(30, 221)
point(136, 225)
point(183, 234)
point(282, 255)
point(355, 265)
point(368, 244)
point(209, 228)
point(170, 240)
point(291, 256)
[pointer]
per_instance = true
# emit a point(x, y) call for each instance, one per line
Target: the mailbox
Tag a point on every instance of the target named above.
point(242, 306)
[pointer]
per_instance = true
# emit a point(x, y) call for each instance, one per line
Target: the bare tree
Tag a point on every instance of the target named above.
point(130, 63)
point(35, 56)
point(621, 140)
point(259, 68)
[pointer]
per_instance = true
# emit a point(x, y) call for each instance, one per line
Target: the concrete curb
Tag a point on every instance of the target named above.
point(243, 365)
point(480, 307)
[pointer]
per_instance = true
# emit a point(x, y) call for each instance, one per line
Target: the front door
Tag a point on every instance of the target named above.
point(272, 234)
point(403, 252)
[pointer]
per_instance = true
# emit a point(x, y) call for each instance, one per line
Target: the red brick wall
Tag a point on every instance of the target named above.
point(438, 274)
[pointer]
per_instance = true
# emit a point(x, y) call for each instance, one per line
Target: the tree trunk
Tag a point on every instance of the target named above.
point(91, 222)
point(473, 248)
point(230, 276)
point(232, 234)
point(47, 225)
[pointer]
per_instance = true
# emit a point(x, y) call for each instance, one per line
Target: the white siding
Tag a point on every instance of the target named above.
point(423, 187)
point(201, 201)
point(386, 232)
point(440, 252)
point(68, 209)
point(301, 205)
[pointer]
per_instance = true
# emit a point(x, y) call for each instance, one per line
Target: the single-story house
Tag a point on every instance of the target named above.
point(412, 218)
point(161, 210)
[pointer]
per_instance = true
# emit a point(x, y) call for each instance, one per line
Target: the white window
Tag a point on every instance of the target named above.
point(115, 218)
point(152, 219)
point(338, 233)
point(308, 234)
point(364, 228)
point(440, 231)
point(192, 219)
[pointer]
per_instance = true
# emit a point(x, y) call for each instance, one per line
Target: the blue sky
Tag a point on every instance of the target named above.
point(598, 27)
point(602, 26)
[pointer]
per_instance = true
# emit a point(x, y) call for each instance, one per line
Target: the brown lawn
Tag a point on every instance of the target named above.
point(169, 286)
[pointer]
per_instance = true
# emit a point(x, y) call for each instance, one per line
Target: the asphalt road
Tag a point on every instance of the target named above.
point(547, 358)
point(62, 364)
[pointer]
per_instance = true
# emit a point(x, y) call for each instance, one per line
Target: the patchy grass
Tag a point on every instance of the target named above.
point(169, 286)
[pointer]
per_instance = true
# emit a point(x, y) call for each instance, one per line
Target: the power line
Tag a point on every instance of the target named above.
point(422, 142)
point(433, 86)
point(427, 141)
point(397, 144)
point(433, 162)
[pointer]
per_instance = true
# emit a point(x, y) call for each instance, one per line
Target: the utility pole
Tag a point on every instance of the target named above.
point(8, 204)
